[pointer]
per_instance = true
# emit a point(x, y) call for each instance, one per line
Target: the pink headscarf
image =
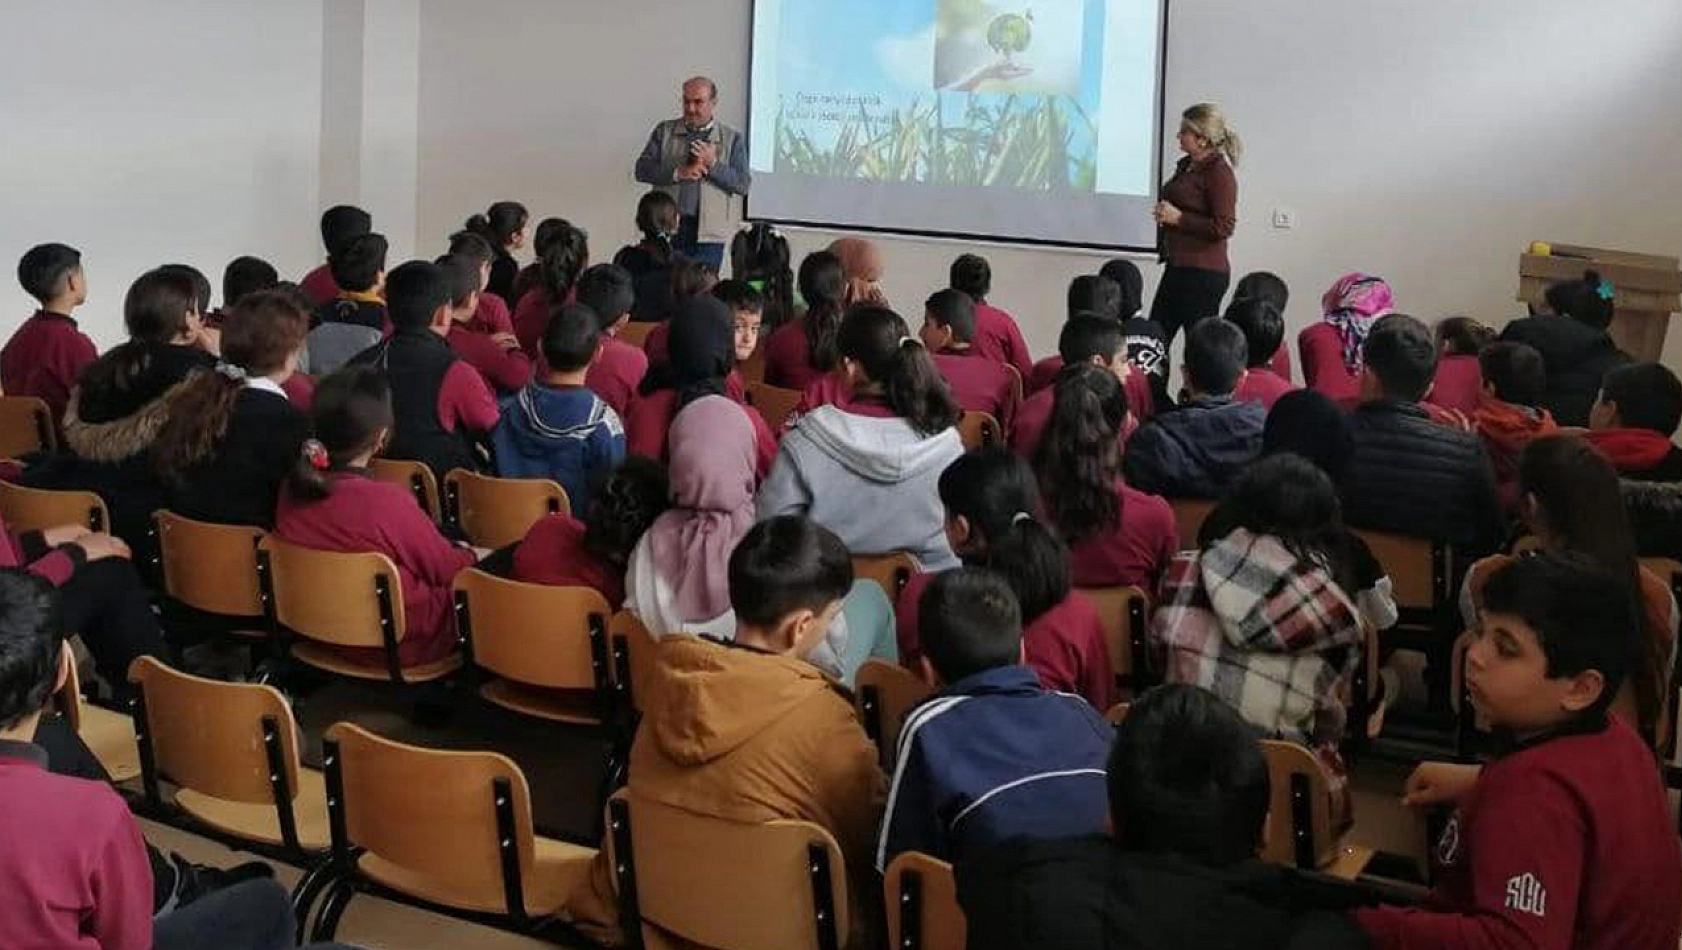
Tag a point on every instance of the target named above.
point(1352, 306)
point(861, 262)
point(712, 450)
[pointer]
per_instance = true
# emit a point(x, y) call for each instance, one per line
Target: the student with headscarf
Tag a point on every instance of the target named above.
point(701, 355)
point(1331, 349)
point(861, 262)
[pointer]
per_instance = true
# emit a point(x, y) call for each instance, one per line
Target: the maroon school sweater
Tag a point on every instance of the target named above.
point(1458, 385)
point(1035, 414)
point(979, 384)
point(650, 420)
point(1134, 554)
point(998, 338)
point(362, 514)
point(1565, 843)
point(553, 553)
point(531, 316)
point(1065, 645)
point(788, 361)
point(319, 285)
point(505, 369)
point(616, 373)
point(493, 315)
point(1262, 384)
point(1323, 369)
point(43, 359)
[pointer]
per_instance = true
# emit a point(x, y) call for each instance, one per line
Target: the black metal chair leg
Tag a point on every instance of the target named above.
point(308, 891)
point(332, 908)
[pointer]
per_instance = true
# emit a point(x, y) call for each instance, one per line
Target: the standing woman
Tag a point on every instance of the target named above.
point(1195, 219)
point(504, 225)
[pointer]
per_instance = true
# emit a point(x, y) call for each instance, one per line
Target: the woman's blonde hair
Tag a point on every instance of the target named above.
point(1206, 121)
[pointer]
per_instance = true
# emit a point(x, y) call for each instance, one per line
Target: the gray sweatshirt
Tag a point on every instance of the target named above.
point(872, 481)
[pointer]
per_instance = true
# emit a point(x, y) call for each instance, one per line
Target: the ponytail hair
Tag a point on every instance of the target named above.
point(878, 340)
point(760, 254)
point(1208, 122)
point(499, 223)
point(156, 310)
point(995, 492)
point(823, 285)
point(352, 407)
point(1462, 336)
point(262, 331)
point(657, 219)
point(1590, 300)
point(1079, 456)
point(622, 509)
point(563, 259)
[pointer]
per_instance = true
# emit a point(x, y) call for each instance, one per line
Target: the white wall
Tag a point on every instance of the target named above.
point(157, 131)
point(1428, 141)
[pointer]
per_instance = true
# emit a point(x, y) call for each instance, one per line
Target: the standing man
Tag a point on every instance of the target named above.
point(704, 165)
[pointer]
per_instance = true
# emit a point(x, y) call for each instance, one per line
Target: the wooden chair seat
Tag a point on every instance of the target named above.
point(110, 736)
point(1300, 830)
point(256, 821)
point(559, 867)
point(326, 658)
point(979, 430)
point(560, 705)
point(37, 509)
point(496, 512)
point(774, 403)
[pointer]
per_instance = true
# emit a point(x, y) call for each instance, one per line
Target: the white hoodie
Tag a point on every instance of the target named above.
point(872, 481)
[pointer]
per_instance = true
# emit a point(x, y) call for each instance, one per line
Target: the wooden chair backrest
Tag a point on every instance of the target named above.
point(916, 882)
point(1117, 714)
point(207, 735)
point(635, 332)
point(884, 693)
point(1189, 514)
point(210, 567)
point(37, 509)
point(775, 404)
point(496, 512)
point(890, 571)
point(67, 700)
point(1120, 610)
point(533, 633)
point(752, 369)
point(1286, 760)
point(689, 869)
point(26, 426)
point(1410, 562)
point(331, 596)
point(417, 477)
point(628, 634)
point(432, 811)
point(1020, 387)
point(979, 430)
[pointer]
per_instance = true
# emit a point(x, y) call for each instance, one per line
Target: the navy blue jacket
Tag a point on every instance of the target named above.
point(992, 757)
point(564, 433)
point(1195, 450)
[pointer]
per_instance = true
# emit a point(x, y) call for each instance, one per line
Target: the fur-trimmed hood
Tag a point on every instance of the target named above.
point(123, 399)
point(121, 438)
point(1655, 515)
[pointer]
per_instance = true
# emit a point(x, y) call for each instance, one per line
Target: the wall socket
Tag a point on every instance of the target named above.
point(1284, 218)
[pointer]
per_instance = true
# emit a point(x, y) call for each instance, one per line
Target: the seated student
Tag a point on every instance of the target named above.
point(243, 275)
point(1639, 408)
point(1263, 613)
point(1147, 344)
point(547, 232)
point(803, 349)
point(992, 521)
point(862, 265)
point(331, 504)
point(556, 427)
point(1118, 536)
point(497, 356)
point(1012, 759)
point(997, 337)
point(232, 436)
point(867, 470)
point(978, 384)
point(759, 257)
point(1563, 840)
point(357, 318)
point(1264, 285)
point(1263, 326)
point(619, 367)
point(747, 309)
point(748, 730)
point(593, 551)
point(1570, 332)
point(1409, 475)
point(492, 316)
point(47, 353)
point(1089, 296)
point(1203, 445)
point(75, 871)
point(650, 261)
point(1188, 798)
point(1331, 349)
point(561, 263)
point(1509, 414)
point(1572, 504)
point(340, 225)
point(442, 404)
point(1085, 339)
point(702, 357)
point(1458, 387)
point(503, 226)
point(689, 279)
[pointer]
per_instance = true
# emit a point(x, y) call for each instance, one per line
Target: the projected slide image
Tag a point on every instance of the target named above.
point(1008, 46)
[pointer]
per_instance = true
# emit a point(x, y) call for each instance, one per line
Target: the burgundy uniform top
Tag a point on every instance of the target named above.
point(74, 874)
point(1566, 843)
point(1134, 554)
point(43, 359)
point(505, 369)
point(1206, 192)
point(1323, 369)
point(1065, 645)
point(553, 553)
point(465, 401)
point(616, 373)
point(1262, 384)
point(319, 285)
point(1035, 414)
point(1141, 402)
point(492, 316)
point(1281, 362)
point(29, 551)
point(1042, 375)
point(788, 361)
point(650, 420)
point(979, 384)
point(300, 391)
point(366, 515)
point(998, 338)
point(656, 345)
point(531, 316)
point(1458, 386)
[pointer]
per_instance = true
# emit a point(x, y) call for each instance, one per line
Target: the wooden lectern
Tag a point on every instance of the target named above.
point(1649, 290)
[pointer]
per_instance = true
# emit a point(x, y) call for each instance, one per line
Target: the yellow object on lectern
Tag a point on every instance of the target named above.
point(1541, 248)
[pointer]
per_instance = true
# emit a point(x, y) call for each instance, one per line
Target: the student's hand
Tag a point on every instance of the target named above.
point(64, 534)
point(209, 340)
point(507, 341)
point(1439, 783)
point(98, 547)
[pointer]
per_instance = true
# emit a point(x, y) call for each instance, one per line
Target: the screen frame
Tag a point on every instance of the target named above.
point(1156, 160)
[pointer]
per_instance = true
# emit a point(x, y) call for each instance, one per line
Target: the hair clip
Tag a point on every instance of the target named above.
point(316, 454)
point(1606, 290)
point(235, 373)
point(909, 341)
point(1020, 517)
